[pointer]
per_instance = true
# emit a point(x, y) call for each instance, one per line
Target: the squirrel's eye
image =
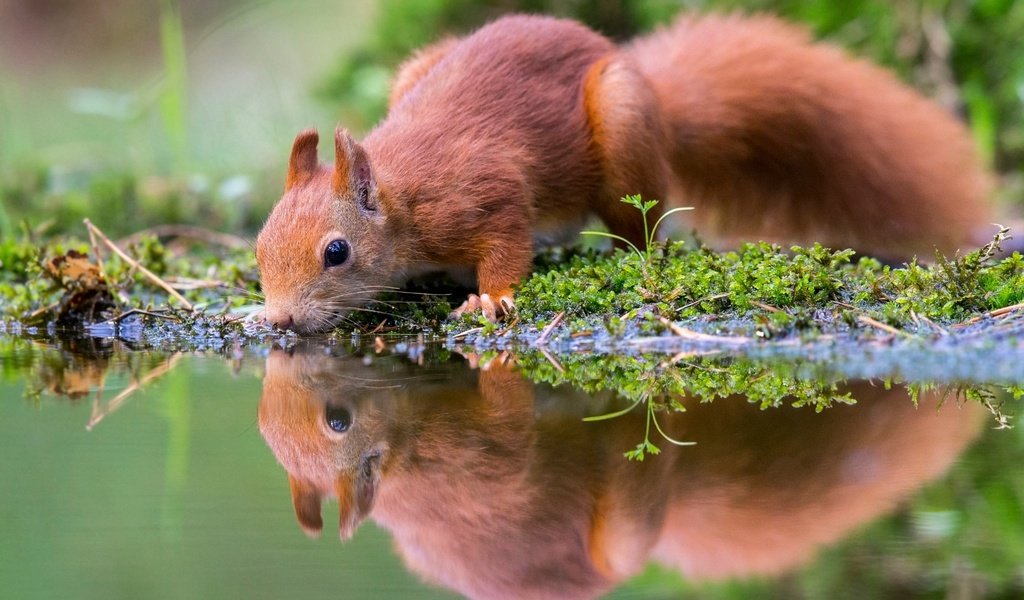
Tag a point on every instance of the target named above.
point(336, 253)
point(338, 419)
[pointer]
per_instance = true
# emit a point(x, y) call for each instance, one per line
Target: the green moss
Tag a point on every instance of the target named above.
point(785, 290)
point(211, 279)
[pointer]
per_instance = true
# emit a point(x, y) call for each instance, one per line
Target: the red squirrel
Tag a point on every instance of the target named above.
point(513, 135)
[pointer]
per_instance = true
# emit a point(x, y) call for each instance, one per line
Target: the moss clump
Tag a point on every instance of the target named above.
point(214, 280)
point(949, 290)
point(681, 282)
point(783, 289)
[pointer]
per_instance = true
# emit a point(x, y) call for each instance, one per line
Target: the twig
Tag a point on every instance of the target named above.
point(187, 231)
point(767, 307)
point(42, 310)
point(880, 325)
point(149, 274)
point(694, 336)
point(467, 332)
point(96, 251)
point(999, 312)
point(509, 327)
point(115, 403)
point(139, 311)
point(551, 359)
point(379, 327)
point(543, 339)
point(233, 318)
point(704, 299)
point(935, 326)
point(697, 336)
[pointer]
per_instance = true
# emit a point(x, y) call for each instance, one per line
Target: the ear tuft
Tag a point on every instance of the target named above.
point(353, 176)
point(303, 161)
point(306, 499)
point(357, 491)
point(344, 154)
point(348, 512)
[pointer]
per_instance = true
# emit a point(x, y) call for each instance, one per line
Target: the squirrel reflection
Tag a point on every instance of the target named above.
point(496, 488)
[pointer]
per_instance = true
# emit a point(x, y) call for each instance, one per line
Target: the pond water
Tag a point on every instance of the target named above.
point(154, 474)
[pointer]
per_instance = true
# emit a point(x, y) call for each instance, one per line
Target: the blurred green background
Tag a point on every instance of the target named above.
point(138, 113)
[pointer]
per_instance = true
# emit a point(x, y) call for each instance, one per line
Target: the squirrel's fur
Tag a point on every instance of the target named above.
point(513, 135)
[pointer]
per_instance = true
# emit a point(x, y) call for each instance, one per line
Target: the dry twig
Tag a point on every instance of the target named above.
point(880, 325)
point(543, 339)
point(136, 264)
point(98, 413)
point(999, 312)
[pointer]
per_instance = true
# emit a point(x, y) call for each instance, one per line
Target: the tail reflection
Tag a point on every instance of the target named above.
point(496, 488)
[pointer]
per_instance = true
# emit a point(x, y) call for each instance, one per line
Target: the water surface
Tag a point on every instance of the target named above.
point(132, 473)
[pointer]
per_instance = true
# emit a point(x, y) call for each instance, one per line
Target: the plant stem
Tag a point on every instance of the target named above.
point(173, 97)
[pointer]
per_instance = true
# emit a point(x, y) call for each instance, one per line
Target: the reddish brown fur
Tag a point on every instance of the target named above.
point(416, 66)
point(517, 132)
point(303, 162)
point(491, 145)
point(775, 137)
point(497, 495)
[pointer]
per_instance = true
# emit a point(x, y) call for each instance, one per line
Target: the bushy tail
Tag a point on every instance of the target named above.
point(776, 137)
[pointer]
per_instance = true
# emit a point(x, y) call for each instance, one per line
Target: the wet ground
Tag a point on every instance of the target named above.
point(136, 468)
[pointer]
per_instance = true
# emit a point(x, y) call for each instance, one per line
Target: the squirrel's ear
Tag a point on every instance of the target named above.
point(303, 161)
point(352, 173)
point(357, 492)
point(349, 515)
point(306, 499)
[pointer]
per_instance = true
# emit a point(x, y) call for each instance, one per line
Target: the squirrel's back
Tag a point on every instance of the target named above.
point(497, 118)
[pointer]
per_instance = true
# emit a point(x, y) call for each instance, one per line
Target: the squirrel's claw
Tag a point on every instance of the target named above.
point(496, 311)
point(472, 304)
point(493, 311)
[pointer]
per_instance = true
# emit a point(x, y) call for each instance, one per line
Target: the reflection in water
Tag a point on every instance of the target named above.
point(106, 372)
point(495, 487)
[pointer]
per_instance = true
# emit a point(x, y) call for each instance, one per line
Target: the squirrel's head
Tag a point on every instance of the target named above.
point(326, 247)
point(322, 418)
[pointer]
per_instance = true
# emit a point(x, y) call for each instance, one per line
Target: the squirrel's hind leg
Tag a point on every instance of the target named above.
point(628, 132)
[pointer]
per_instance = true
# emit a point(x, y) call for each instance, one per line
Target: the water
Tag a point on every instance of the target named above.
point(144, 474)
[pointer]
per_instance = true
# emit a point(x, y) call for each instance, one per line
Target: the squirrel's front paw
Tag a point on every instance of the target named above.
point(493, 311)
point(472, 304)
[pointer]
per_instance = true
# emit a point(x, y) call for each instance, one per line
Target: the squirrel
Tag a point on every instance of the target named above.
point(513, 135)
point(495, 487)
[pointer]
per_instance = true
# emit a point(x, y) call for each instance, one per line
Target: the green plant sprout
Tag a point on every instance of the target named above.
point(646, 446)
point(644, 206)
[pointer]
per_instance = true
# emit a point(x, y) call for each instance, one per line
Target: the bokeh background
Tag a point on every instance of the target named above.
point(134, 113)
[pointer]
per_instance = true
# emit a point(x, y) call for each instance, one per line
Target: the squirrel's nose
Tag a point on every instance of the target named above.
point(280, 319)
